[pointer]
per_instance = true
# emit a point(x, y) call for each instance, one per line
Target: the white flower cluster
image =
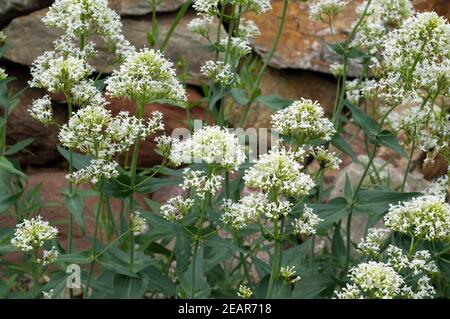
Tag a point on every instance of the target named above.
point(238, 46)
point(2, 37)
point(381, 18)
point(218, 72)
point(326, 10)
point(372, 280)
point(58, 72)
point(248, 210)
point(337, 69)
point(212, 145)
point(94, 131)
point(3, 74)
point(425, 217)
point(427, 125)
point(176, 208)
point(83, 18)
point(438, 187)
point(138, 224)
point(325, 158)
point(207, 7)
point(201, 183)
point(304, 120)
point(41, 110)
point(97, 170)
point(248, 29)
point(279, 171)
point(244, 292)
point(200, 25)
point(211, 7)
point(289, 275)
point(48, 257)
point(417, 59)
point(305, 225)
point(86, 93)
point(371, 245)
point(146, 76)
point(32, 233)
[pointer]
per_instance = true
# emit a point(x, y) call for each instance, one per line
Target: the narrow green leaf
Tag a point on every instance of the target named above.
point(8, 166)
point(75, 205)
point(13, 149)
point(274, 102)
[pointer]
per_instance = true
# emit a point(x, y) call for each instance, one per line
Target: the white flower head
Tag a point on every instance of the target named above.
point(41, 110)
point(306, 224)
point(244, 292)
point(304, 120)
point(371, 245)
point(49, 256)
point(237, 46)
point(146, 76)
point(212, 145)
point(289, 275)
point(200, 25)
point(426, 217)
point(218, 72)
point(325, 158)
point(138, 224)
point(279, 170)
point(86, 93)
point(97, 170)
point(337, 69)
point(176, 208)
point(248, 210)
point(32, 233)
point(326, 10)
point(3, 74)
point(201, 183)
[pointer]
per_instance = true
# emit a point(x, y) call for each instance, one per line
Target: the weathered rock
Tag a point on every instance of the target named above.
point(13, 8)
point(141, 7)
point(22, 126)
point(185, 49)
point(303, 43)
point(432, 170)
point(289, 84)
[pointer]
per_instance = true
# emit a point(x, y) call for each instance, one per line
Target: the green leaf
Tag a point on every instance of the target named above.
point(201, 289)
point(9, 200)
point(79, 161)
point(126, 287)
point(79, 257)
point(274, 102)
point(8, 166)
point(365, 122)
point(160, 283)
point(239, 96)
point(18, 146)
point(348, 192)
point(388, 139)
point(337, 245)
point(310, 287)
point(377, 201)
point(75, 205)
point(153, 184)
point(331, 212)
point(342, 145)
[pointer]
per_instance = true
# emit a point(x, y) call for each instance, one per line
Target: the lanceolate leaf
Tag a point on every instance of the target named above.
point(75, 205)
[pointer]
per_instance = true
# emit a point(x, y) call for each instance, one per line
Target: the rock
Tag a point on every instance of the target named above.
point(185, 49)
point(433, 170)
point(22, 126)
point(13, 8)
point(174, 117)
point(141, 7)
point(303, 41)
point(441, 7)
point(289, 84)
point(302, 44)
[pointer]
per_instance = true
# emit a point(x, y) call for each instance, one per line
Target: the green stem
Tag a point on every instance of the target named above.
point(266, 62)
point(94, 245)
point(175, 22)
point(197, 243)
point(275, 260)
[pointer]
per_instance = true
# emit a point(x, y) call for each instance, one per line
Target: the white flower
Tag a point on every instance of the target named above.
point(164, 145)
point(96, 170)
point(200, 25)
point(2, 37)
point(304, 120)
point(280, 171)
point(207, 7)
point(85, 93)
point(87, 17)
point(425, 217)
point(248, 29)
point(218, 72)
point(244, 292)
point(257, 6)
point(176, 208)
point(373, 280)
point(424, 289)
point(48, 294)
point(397, 258)
point(49, 256)
point(337, 69)
point(438, 187)
point(371, 245)
point(144, 77)
point(417, 59)
point(32, 233)
point(305, 225)
point(93, 130)
point(289, 275)
point(58, 73)
point(237, 46)
point(247, 210)
point(138, 224)
point(422, 263)
point(325, 158)
point(326, 10)
point(211, 145)
point(382, 16)
point(3, 74)
point(41, 110)
point(202, 184)
point(278, 209)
